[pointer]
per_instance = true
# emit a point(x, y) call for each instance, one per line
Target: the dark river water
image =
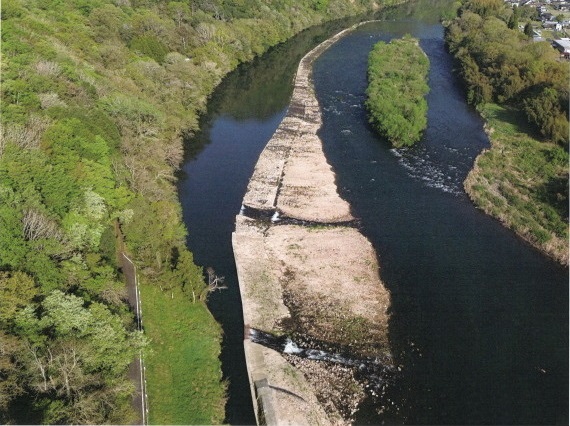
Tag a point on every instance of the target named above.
point(479, 320)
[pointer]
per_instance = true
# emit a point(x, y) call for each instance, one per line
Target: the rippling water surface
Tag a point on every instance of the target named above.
point(479, 320)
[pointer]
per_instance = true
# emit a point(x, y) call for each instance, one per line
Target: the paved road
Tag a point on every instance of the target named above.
point(136, 369)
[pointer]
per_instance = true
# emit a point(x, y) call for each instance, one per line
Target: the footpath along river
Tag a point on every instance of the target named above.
point(479, 320)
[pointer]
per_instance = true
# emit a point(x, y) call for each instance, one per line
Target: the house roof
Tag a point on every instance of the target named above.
point(564, 43)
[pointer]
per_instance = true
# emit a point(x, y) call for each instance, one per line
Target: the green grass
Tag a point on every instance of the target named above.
point(184, 377)
point(523, 181)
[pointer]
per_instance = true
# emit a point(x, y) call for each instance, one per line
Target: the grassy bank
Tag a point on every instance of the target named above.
point(523, 182)
point(182, 369)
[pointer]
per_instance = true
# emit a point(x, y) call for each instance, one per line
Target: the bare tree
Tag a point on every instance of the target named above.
point(41, 365)
point(37, 226)
point(173, 153)
point(205, 32)
point(214, 283)
point(25, 137)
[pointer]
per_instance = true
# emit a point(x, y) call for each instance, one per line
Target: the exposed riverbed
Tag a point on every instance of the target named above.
point(320, 283)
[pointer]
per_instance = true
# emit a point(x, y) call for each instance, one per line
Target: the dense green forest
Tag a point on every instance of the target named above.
point(521, 89)
point(503, 65)
point(397, 85)
point(97, 97)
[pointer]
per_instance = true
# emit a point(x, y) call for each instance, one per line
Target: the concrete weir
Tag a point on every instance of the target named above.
point(318, 281)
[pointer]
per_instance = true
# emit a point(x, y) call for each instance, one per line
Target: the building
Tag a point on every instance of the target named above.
point(555, 25)
point(563, 46)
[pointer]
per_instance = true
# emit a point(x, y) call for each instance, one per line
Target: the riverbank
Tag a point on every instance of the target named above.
point(183, 362)
point(315, 277)
point(522, 182)
point(523, 179)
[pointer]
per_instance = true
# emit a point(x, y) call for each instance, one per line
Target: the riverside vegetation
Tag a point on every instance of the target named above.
point(97, 96)
point(397, 85)
point(521, 89)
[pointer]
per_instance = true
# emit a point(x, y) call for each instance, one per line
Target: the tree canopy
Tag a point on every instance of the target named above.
point(397, 85)
point(501, 64)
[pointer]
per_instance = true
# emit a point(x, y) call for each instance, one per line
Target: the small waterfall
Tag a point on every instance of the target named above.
point(292, 348)
point(268, 340)
point(275, 217)
point(375, 372)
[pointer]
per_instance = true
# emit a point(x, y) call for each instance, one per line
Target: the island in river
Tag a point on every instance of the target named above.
point(397, 86)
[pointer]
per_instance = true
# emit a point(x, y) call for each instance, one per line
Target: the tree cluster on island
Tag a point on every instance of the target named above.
point(397, 85)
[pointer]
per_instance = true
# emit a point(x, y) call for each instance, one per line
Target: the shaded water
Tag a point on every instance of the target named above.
point(242, 115)
point(479, 320)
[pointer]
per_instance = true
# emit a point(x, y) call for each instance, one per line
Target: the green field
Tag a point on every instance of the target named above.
point(182, 366)
point(523, 181)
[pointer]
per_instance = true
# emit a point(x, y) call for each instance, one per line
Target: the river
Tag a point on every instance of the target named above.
point(479, 319)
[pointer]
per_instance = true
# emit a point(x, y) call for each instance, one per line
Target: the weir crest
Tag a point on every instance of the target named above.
point(304, 269)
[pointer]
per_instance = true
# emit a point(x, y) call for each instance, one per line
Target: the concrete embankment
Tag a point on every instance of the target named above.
point(321, 282)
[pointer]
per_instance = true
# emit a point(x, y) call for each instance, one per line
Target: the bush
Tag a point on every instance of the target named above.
point(149, 45)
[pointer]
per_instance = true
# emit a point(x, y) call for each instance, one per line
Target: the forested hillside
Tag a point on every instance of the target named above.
point(521, 88)
point(97, 96)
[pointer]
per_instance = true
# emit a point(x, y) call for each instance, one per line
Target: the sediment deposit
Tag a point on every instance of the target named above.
point(318, 279)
